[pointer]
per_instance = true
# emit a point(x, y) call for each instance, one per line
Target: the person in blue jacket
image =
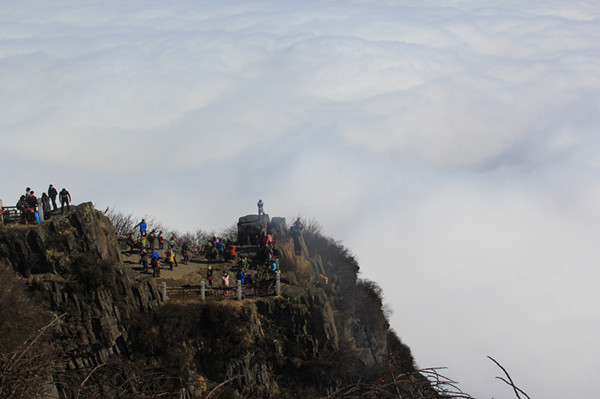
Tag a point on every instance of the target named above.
point(142, 226)
point(220, 245)
point(241, 276)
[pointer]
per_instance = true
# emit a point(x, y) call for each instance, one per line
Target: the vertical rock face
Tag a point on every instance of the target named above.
point(51, 246)
point(74, 261)
point(322, 283)
point(249, 228)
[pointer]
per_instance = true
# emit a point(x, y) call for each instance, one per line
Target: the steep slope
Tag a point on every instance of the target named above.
point(326, 335)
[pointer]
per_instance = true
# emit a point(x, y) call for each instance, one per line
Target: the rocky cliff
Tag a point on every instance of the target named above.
point(107, 333)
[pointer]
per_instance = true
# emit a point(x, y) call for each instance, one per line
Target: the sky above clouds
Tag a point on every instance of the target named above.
point(452, 145)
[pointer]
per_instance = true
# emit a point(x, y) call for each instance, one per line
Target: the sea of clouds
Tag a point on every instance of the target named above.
point(452, 145)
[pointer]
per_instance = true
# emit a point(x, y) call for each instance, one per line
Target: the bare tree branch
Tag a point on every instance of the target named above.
point(510, 381)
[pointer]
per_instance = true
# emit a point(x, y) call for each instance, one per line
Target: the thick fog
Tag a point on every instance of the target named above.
point(453, 146)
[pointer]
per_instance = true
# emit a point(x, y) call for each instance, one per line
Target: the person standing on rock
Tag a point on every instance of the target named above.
point(142, 226)
point(52, 193)
point(46, 205)
point(260, 205)
point(65, 198)
point(152, 240)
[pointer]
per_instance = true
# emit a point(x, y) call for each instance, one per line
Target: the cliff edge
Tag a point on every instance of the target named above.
point(102, 330)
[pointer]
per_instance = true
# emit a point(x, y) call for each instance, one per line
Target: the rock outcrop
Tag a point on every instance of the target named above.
point(325, 331)
point(75, 263)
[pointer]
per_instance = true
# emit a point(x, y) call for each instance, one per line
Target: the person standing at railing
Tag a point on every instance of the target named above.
point(32, 205)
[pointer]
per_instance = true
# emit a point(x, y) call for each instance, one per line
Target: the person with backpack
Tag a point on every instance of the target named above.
point(65, 198)
point(220, 245)
point(22, 206)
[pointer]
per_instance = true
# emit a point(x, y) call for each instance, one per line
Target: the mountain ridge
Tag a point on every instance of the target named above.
point(116, 337)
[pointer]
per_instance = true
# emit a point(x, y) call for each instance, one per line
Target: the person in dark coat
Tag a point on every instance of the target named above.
point(32, 207)
point(52, 193)
point(65, 198)
point(46, 205)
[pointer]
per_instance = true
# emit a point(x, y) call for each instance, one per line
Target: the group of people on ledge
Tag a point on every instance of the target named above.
point(28, 204)
point(264, 265)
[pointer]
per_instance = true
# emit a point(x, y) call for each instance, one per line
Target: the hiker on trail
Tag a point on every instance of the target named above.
point(27, 192)
point(185, 252)
point(209, 251)
point(172, 247)
point(209, 275)
point(155, 264)
point(229, 251)
point(260, 205)
point(169, 258)
point(131, 243)
point(65, 198)
point(220, 245)
point(152, 240)
point(225, 279)
point(46, 205)
point(52, 193)
point(142, 226)
point(144, 259)
point(161, 240)
point(143, 240)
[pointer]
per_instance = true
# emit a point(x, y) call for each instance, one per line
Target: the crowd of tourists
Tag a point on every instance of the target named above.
point(156, 252)
point(29, 206)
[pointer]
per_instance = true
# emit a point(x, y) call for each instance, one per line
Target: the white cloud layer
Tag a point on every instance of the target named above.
point(451, 144)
